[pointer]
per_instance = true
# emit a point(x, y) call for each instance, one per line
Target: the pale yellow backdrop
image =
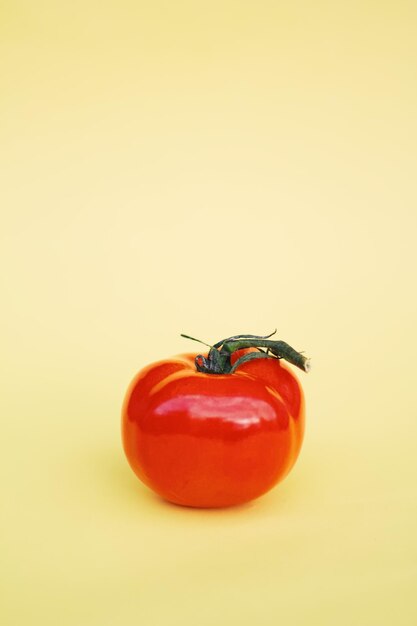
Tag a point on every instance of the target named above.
point(209, 168)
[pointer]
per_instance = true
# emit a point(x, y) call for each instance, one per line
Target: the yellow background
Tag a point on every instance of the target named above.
point(208, 168)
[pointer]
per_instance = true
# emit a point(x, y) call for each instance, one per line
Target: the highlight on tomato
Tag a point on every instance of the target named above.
point(216, 429)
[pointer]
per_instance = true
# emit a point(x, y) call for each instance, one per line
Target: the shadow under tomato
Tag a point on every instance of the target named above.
point(128, 491)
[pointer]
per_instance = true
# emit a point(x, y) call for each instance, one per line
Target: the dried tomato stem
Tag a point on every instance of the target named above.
point(218, 360)
point(280, 349)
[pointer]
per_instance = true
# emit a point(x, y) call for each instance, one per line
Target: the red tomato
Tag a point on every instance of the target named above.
point(205, 440)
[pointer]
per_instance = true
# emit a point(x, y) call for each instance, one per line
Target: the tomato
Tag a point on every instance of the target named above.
point(204, 439)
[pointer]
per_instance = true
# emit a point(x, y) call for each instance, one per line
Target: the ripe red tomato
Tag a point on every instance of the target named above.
point(213, 440)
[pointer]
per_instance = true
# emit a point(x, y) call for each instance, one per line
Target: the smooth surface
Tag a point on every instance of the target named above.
point(210, 440)
point(207, 168)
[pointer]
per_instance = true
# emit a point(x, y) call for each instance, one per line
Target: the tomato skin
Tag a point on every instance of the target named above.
point(205, 440)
